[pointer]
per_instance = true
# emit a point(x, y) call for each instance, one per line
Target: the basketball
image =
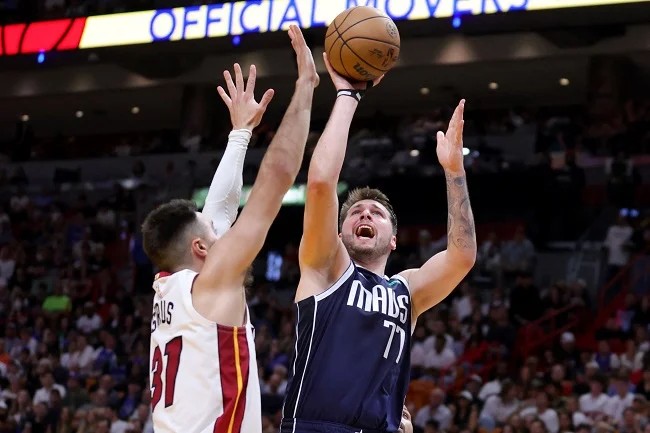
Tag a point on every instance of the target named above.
point(362, 43)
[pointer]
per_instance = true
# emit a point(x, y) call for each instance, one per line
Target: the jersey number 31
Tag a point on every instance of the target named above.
point(173, 351)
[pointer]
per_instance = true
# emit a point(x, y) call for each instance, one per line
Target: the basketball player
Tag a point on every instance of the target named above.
point(351, 362)
point(203, 368)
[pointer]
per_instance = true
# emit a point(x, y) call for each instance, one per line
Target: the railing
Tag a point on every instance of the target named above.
point(546, 329)
point(480, 361)
point(619, 280)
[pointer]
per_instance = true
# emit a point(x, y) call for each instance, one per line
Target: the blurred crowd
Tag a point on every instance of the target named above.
point(75, 306)
point(404, 140)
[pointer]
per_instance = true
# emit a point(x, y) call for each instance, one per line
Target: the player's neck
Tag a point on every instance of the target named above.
point(376, 266)
point(192, 266)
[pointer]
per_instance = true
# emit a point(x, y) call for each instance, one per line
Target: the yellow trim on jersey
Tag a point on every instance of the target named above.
point(240, 380)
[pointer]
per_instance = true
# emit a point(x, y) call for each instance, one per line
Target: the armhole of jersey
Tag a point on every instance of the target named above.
point(190, 277)
point(402, 280)
point(334, 287)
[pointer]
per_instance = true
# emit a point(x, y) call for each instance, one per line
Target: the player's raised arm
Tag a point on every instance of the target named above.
point(321, 251)
point(222, 201)
point(229, 258)
point(435, 280)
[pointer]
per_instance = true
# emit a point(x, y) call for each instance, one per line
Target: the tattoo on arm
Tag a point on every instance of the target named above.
point(460, 220)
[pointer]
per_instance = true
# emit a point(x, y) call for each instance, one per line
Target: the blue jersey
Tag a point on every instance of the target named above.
point(352, 355)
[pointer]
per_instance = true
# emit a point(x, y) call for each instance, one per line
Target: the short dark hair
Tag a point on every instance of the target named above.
point(367, 193)
point(162, 230)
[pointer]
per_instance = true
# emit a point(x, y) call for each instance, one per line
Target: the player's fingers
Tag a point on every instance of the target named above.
point(440, 136)
point(327, 64)
point(297, 34)
point(459, 122)
point(378, 80)
point(266, 99)
point(230, 84)
point(459, 133)
point(455, 117)
point(224, 96)
point(239, 78)
point(250, 83)
point(454, 123)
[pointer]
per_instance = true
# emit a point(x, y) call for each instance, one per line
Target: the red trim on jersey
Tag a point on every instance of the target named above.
point(234, 370)
point(162, 274)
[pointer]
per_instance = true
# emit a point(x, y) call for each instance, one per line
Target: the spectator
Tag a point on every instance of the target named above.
point(594, 404)
point(43, 394)
point(435, 410)
point(90, 321)
point(441, 357)
point(57, 302)
point(616, 240)
point(542, 411)
point(525, 303)
point(499, 407)
point(621, 400)
point(518, 255)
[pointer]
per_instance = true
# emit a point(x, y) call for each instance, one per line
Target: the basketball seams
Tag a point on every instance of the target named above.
point(362, 21)
point(341, 55)
point(337, 27)
point(345, 43)
point(373, 39)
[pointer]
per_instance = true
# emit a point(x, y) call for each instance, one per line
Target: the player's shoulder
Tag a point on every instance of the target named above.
point(400, 279)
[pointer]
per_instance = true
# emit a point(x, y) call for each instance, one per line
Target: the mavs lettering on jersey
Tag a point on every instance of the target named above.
point(353, 346)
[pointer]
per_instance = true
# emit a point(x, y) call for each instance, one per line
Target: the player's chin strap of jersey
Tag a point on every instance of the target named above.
point(357, 94)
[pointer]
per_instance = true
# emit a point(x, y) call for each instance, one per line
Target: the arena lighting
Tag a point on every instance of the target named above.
point(79, 114)
point(493, 85)
point(414, 153)
point(465, 151)
point(296, 195)
point(424, 91)
point(135, 110)
point(564, 82)
point(237, 18)
point(24, 118)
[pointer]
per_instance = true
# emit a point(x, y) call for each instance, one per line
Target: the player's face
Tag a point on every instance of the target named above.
point(367, 231)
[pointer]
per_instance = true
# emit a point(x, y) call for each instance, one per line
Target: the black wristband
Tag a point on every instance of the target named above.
point(353, 93)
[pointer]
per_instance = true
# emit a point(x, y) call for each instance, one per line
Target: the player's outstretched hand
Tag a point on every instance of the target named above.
point(245, 111)
point(306, 67)
point(450, 144)
point(340, 82)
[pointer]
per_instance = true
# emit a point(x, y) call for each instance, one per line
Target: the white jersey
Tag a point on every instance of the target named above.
point(203, 375)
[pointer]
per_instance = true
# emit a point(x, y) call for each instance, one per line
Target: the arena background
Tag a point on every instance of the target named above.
point(106, 112)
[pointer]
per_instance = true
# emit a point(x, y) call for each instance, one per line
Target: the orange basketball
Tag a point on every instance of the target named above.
point(362, 43)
